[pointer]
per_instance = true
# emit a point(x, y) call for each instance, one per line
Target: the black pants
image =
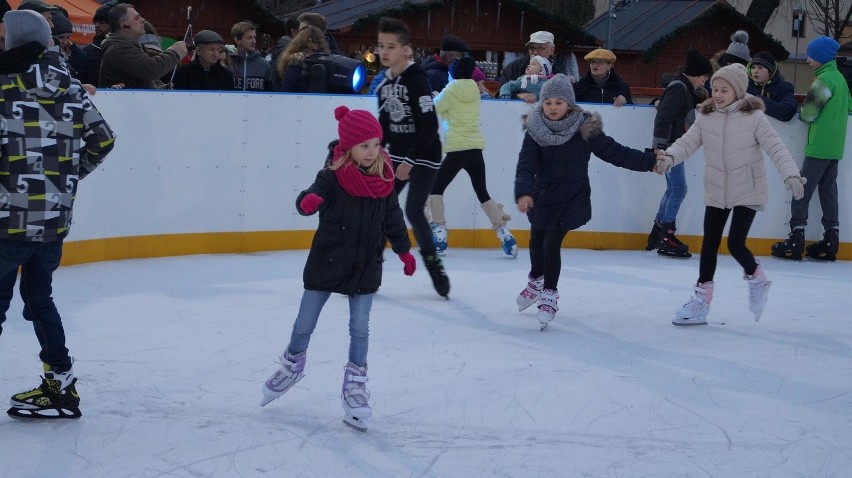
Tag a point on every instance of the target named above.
point(420, 183)
point(546, 255)
point(470, 160)
point(714, 224)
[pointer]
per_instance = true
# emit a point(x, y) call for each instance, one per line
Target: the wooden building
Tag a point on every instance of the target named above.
point(650, 38)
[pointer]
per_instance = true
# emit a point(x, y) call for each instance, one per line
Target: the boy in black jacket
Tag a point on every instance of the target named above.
point(410, 128)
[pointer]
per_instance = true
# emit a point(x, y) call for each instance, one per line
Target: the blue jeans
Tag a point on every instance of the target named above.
point(674, 195)
point(37, 261)
point(359, 324)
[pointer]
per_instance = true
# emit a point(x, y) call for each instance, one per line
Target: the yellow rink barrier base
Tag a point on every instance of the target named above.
point(167, 245)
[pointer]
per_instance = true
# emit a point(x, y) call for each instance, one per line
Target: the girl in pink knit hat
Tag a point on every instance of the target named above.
point(357, 208)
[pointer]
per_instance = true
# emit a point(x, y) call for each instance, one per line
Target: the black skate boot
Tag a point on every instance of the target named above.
point(792, 247)
point(654, 237)
point(437, 273)
point(670, 245)
point(826, 249)
point(56, 397)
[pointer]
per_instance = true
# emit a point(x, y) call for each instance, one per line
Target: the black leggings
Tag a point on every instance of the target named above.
point(471, 161)
point(420, 183)
point(714, 224)
point(546, 255)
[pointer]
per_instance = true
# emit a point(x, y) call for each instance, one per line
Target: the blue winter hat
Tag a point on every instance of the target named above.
point(823, 49)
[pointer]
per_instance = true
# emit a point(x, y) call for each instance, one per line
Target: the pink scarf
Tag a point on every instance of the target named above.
point(356, 183)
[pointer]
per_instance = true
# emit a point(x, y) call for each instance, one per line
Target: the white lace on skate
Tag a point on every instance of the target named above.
point(439, 237)
point(508, 242)
point(530, 294)
point(695, 311)
point(282, 380)
point(758, 293)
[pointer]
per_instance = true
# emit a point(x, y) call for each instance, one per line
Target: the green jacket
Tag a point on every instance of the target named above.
point(458, 106)
point(826, 109)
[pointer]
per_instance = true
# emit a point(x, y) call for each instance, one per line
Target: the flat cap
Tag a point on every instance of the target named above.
point(600, 54)
point(37, 6)
point(207, 36)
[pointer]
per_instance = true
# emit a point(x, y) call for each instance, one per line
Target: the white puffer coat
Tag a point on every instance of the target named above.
point(734, 171)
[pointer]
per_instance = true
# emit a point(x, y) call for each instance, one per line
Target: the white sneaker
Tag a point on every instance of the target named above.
point(758, 291)
point(696, 310)
point(355, 397)
point(291, 371)
point(547, 307)
point(531, 293)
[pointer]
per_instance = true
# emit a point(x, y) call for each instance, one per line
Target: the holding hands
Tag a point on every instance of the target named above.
point(796, 184)
point(664, 162)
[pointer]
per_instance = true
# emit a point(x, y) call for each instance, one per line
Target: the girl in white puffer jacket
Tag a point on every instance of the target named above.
point(733, 129)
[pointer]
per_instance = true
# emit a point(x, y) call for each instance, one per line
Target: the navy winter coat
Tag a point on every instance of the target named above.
point(346, 252)
point(587, 91)
point(557, 177)
point(778, 96)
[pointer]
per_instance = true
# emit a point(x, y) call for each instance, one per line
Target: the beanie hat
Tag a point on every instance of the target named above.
point(736, 75)
point(454, 43)
point(462, 68)
point(558, 87)
point(207, 36)
point(601, 54)
point(102, 13)
point(766, 60)
point(61, 25)
point(24, 26)
point(355, 126)
point(739, 46)
point(546, 66)
point(823, 49)
point(696, 64)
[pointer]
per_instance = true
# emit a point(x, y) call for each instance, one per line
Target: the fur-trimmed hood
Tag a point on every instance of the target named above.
point(747, 104)
point(591, 127)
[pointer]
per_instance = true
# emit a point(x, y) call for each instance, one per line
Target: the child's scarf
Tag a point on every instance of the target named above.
point(546, 132)
point(353, 180)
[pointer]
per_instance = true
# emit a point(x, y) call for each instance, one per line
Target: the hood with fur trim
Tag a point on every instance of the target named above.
point(747, 104)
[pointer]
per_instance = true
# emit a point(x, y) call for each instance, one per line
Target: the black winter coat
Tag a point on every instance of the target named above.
point(557, 177)
point(437, 72)
point(193, 77)
point(587, 91)
point(677, 102)
point(346, 252)
point(777, 95)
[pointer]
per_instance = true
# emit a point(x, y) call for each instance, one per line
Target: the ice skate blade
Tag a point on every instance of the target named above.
point(674, 255)
point(542, 327)
point(265, 400)
point(355, 423)
point(688, 322)
point(43, 414)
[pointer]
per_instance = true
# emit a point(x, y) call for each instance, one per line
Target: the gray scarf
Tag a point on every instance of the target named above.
point(546, 132)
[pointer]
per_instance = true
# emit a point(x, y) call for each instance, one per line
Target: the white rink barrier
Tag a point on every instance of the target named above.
point(233, 162)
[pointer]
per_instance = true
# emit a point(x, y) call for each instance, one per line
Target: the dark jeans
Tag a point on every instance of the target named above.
point(470, 160)
point(546, 255)
point(822, 174)
point(420, 183)
point(714, 224)
point(37, 261)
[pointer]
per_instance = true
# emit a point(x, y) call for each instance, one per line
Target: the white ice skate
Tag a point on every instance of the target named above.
point(547, 307)
point(696, 310)
point(531, 293)
point(758, 291)
point(355, 397)
point(291, 371)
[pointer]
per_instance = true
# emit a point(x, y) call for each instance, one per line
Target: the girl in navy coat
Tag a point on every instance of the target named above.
point(552, 183)
point(357, 208)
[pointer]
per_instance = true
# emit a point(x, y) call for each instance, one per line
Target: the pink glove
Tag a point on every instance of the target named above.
point(310, 203)
point(410, 264)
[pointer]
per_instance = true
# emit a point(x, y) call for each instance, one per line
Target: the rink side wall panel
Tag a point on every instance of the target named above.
point(218, 172)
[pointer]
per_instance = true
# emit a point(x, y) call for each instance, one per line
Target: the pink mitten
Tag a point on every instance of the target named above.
point(410, 263)
point(310, 203)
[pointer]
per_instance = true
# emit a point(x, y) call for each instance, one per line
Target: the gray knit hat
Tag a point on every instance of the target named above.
point(736, 75)
point(558, 87)
point(739, 46)
point(24, 26)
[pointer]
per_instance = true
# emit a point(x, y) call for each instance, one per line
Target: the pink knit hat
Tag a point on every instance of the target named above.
point(355, 126)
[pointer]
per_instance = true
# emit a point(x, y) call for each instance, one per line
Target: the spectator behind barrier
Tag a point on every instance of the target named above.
point(601, 84)
point(766, 82)
point(251, 71)
point(291, 63)
point(542, 43)
point(205, 71)
point(319, 21)
point(91, 72)
point(538, 71)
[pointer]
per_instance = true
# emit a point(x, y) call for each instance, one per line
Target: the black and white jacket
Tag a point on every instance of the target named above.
point(408, 118)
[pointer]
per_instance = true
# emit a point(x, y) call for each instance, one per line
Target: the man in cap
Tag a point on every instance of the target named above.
point(541, 43)
point(45, 9)
point(437, 65)
point(39, 188)
point(125, 63)
point(205, 72)
point(601, 84)
point(766, 82)
point(93, 50)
